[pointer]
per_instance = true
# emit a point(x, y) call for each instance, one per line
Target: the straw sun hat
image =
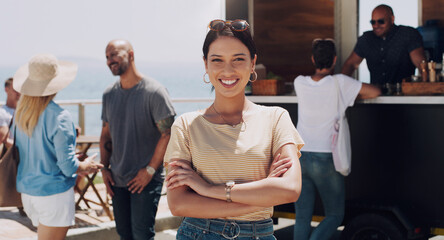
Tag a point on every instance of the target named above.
point(44, 75)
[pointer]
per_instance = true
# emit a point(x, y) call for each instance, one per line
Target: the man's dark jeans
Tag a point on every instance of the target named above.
point(135, 214)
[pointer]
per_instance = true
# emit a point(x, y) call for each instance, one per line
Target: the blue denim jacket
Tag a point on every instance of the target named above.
point(47, 158)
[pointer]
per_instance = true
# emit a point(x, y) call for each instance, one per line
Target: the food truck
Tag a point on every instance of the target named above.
point(394, 190)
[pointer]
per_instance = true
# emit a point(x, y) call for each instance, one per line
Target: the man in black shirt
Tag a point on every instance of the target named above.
point(392, 52)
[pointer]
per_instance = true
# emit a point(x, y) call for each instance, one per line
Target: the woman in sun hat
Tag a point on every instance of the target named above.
point(45, 136)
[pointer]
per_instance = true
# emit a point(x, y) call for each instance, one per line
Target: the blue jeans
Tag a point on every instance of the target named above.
point(214, 229)
point(318, 172)
point(135, 214)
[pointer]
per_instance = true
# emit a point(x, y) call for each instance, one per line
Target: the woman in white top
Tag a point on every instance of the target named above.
point(317, 112)
point(221, 176)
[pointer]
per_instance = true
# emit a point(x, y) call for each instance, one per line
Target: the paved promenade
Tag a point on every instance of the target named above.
point(94, 224)
point(90, 223)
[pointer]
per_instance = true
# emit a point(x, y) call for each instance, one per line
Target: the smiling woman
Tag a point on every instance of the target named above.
point(229, 66)
point(231, 163)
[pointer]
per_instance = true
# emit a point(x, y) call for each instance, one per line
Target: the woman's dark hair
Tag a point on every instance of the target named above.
point(324, 53)
point(243, 36)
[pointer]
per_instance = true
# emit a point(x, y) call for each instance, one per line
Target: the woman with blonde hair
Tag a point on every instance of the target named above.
point(231, 163)
point(45, 137)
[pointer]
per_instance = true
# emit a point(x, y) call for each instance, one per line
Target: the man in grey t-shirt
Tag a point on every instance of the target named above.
point(137, 115)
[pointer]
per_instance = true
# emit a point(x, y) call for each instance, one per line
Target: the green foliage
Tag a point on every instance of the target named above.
point(98, 179)
point(271, 75)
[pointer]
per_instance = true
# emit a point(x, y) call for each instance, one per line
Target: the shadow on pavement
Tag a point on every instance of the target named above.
point(15, 216)
point(286, 233)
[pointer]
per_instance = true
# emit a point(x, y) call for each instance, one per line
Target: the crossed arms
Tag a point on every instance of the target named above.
point(191, 196)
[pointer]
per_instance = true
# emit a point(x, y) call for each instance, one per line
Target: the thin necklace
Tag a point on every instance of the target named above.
point(226, 122)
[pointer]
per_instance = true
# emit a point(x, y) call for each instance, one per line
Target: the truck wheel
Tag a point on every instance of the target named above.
point(372, 226)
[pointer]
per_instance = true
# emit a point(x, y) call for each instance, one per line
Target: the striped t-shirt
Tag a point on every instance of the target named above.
point(220, 152)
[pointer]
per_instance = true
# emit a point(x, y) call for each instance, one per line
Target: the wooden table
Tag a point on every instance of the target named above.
point(83, 145)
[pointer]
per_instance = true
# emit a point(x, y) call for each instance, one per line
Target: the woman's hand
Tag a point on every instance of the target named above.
point(279, 166)
point(89, 166)
point(182, 174)
point(81, 156)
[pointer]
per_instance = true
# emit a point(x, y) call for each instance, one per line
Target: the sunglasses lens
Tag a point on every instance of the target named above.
point(239, 25)
point(379, 21)
point(217, 25)
point(236, 25)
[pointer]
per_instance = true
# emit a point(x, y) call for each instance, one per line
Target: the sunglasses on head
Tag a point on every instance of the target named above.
point(316, 40)
point(237, 25)
point(379, 21)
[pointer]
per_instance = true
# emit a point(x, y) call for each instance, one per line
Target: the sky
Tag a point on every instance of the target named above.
point(167, 34)
point(160, 30)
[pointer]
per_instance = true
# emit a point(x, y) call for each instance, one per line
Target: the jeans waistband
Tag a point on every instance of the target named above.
point(231, 229)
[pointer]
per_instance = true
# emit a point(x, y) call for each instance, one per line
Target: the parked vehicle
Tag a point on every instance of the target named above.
point(395, 189)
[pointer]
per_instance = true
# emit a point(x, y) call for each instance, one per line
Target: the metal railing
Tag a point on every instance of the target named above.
point(82, 103)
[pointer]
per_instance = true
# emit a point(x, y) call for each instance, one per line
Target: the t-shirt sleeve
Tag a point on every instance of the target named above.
point(415, 40)
point(64, 139)
point(160, 105)
point(350, 88)
point(296, 83)
point(284, 132)
point(179, 144)
point(360, 46)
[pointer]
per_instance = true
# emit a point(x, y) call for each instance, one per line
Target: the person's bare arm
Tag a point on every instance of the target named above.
point(263, 193)
point(88, 166)
point(105, 154)
point(369, 91)
point(351, 64)
point(138, 183)
point(184, 201)
point(417, 56)
point(4, 133)
point(164, 127)
point(269, 191)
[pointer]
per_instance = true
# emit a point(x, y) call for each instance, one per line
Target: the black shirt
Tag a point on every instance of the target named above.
point(388, 58)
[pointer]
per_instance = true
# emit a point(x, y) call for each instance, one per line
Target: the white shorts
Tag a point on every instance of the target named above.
point(53, 211)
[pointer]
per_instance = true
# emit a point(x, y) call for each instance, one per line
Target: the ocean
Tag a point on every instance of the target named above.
point(182, 80)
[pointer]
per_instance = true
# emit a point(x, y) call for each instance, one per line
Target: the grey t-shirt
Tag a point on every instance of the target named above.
point(132, 115)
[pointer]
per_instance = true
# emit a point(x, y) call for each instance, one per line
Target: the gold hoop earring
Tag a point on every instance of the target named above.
point(255, 77)
point(205, 79)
